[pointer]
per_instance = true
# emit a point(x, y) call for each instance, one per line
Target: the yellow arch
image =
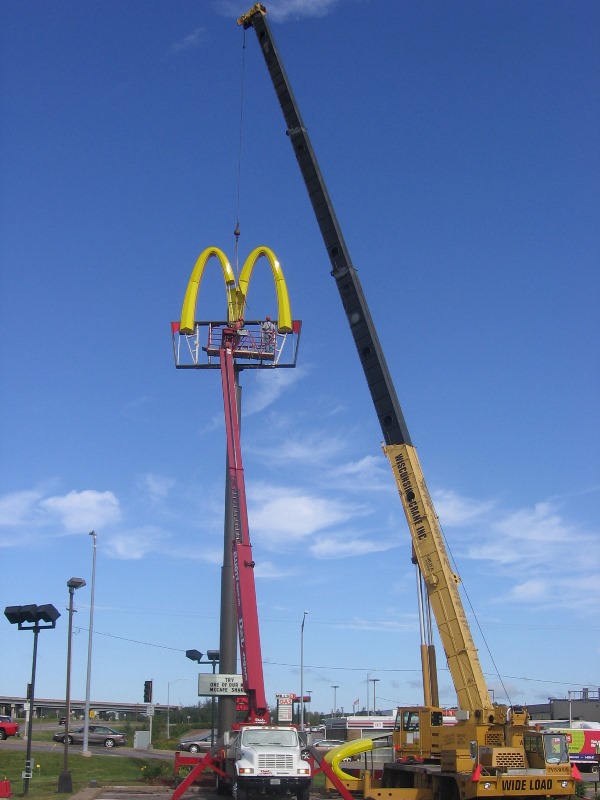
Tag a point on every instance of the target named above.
point(353, 748)
point(284, 312)
point(188, 310)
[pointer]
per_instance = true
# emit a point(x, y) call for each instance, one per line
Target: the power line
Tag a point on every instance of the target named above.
point(333, 668)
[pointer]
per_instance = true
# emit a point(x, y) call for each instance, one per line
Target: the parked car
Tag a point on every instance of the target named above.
point(8, 727)
point(325, 745)
point(97, 734)
point(197, 744)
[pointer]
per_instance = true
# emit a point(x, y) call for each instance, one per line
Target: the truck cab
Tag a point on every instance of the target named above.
point(263, 760)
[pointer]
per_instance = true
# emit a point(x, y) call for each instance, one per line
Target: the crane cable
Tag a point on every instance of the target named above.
point(236, 232)
point(475, 617)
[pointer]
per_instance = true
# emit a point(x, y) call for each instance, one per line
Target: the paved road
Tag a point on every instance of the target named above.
point(16, 743)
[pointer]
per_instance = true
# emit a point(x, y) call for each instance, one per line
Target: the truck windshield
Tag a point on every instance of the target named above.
point(267, 738)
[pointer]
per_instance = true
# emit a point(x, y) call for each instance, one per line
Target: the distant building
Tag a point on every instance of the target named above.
point(582, 704)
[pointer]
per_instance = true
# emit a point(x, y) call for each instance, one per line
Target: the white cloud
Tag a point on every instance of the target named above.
point(530, 538)
point(533, 589)
point(270, 570)
point(192, 40)
point(370, 473)
point(452, 509)
point(82, 511)
point(134, 545)
point(541, 523)
point(267, 387)
point(407, 622)
point(18, 508)
point(311, 448)
point(156, 486)
point(347, 545)
point(281, 10)
point(282, 516)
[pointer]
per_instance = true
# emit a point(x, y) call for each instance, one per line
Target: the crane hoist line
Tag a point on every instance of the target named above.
point(490, 752)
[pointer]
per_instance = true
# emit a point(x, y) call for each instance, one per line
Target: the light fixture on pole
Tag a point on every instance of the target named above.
point(374, 682)
point(86, 723)
point(213, 657)
point(335, 688)
point(302, 671)
point(33, 615)
point(65, 781)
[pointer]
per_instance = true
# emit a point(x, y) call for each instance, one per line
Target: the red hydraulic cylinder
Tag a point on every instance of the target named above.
point(243, 563)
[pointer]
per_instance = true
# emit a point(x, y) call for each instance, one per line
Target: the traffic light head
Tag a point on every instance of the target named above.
point(147, 691)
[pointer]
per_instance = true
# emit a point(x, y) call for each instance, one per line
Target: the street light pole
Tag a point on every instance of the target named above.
point(335, 688)
point(19, 615)
point(65, 781)
point(86, 722)
point(374, 682)
point(213, 656)
point(169, 684)
point(302, 671)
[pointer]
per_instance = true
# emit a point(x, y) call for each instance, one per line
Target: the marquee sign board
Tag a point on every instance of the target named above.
point(220, 685)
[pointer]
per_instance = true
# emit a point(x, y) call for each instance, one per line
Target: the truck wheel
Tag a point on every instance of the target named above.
point(237, 792)
point(303, 794)
point(2, 733)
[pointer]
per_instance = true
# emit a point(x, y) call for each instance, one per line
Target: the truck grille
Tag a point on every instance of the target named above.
point(275, 761)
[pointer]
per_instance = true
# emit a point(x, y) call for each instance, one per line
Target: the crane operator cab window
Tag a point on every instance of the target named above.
point(546, 748)
point(410, 721)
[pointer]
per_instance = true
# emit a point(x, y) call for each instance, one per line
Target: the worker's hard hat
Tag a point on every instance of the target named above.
point(268, 319)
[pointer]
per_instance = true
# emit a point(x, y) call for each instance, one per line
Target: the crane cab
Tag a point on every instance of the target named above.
point(417, 734)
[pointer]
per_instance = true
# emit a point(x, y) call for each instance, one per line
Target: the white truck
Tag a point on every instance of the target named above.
point(264, 760)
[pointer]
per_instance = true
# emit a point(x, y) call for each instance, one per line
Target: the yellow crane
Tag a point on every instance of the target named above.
point(490, 752)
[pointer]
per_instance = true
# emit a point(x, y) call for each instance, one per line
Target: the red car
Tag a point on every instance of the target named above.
point(8, 727)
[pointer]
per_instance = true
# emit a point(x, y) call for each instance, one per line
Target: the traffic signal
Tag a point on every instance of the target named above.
point(147, 691)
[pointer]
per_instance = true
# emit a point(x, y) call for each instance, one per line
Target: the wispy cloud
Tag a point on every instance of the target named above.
point(18, 508)
point(133, 545)
point(270, 571)
point(453, 510)
point(268, 386)
point(189, 42)
point(371, 473)
point(349, 544)
point(311, 447)
point(281, 10)
point(157, 487)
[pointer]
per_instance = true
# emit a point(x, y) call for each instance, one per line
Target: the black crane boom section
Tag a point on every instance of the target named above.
point(383, 393)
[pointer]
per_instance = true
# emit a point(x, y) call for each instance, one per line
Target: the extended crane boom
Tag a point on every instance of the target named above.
point(243, 563)
point(491, 752)
point(441, 582)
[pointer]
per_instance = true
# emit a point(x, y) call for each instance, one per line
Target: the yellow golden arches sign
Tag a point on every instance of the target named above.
point(236, 292)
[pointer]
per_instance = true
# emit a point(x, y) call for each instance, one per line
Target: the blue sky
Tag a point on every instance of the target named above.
point(459, 142)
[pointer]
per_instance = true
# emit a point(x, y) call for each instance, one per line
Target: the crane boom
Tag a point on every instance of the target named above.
point(429, 548)
point(243, 563)
point(346, 277)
